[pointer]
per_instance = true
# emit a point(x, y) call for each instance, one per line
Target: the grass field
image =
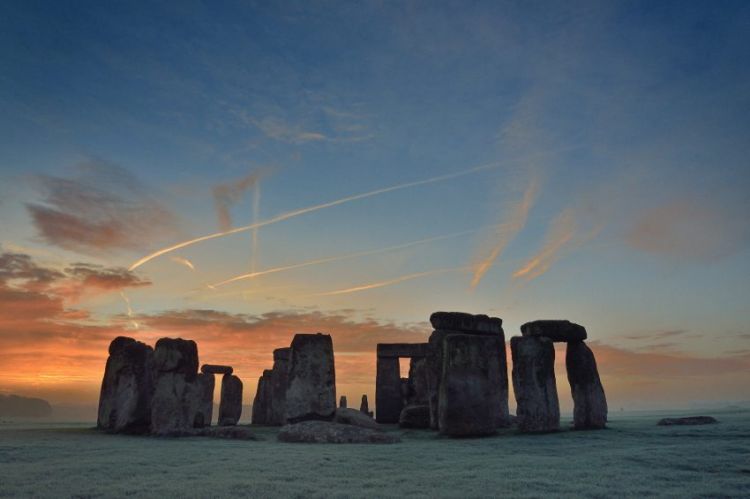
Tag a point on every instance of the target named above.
point(632, 458)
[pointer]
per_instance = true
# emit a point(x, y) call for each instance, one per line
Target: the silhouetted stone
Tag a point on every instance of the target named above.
point(325, 432)
point(462, 322)
point(415, 416)
point(176, 407)
point(216, 369)
point(311, 388)
point(342, 402)
point(230, 406)
point(262, 402)
point(364, 407)
point(226, 432)
point(690, 420)
point(279, 380)
point(388, 397)
point(354, 417)
point(555, 330)
point(470, 390)
point(206, 383)
point(480, 325)
point(417, 385)
point(127, 387)
point(589, 401)
point(534, 384)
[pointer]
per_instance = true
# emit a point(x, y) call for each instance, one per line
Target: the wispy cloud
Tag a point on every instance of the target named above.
point(561, 232)
point(227, 194)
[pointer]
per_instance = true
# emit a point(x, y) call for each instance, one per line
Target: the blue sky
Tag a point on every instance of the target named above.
point(628, 120)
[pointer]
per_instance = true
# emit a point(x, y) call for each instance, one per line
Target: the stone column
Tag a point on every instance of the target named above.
point(589, 401)
point(311, 389)
point(279, 381)
point(230, 406)
point(534, 384)
point(260, 410)
point(205, 409)
point(470, 394)
point(388, 399)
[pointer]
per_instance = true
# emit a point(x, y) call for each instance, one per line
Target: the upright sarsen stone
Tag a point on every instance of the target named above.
point(204, 413)
point(127, 387)
point(311, 388)
point(534, 384)
point(262, 401)
point(230, 406)
point(279, 379)
point(388, 397)
point(470, 392)
point(589, 402)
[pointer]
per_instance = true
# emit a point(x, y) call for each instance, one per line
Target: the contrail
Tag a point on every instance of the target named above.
point(380, 284)
point(560, 233)
point(183, 261)
point(256, 216)
point(507, 231)
point(130, 310)
point(227, 194)
point(341, 257)
point(310, 209)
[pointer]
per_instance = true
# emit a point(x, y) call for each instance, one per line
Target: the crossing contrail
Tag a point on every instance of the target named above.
point(389, 282)
point(338, 258)
point(310, 209)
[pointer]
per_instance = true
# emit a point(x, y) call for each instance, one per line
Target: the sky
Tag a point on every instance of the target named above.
point(351, 167)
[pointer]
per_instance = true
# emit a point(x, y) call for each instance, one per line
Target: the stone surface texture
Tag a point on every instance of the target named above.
point(311, 388)
point(230, 406)
point(534, 384)
point(325, 432)
point(589, 401)
point(555, 330)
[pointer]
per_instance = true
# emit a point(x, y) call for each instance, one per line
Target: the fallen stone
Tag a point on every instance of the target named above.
point(534, 384)
point(321, 432)
point(466, 323)
point(364, 407)
point(342, 402)
point(230, 406)
point(415, 416)
point(589, 401)
point(215, 369)
point(311, 388)
point(356, 418)
point(690, 420)
point(227, 432)
point(470, 389)
point(555, 330)
point(127, 387)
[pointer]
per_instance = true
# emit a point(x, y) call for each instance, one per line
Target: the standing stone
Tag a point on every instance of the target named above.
point(447, 323)
point(230, 406)
point(555, 330)
point(342, 402)
point(589, 402)
point(205, 410)
point(261, 409)
point(127, 387)
point(388, 398)
point(311, 388)
point(279, 379)
point(178, 393)
point(417, 385)
point(470, 394)
point(534, 384)
point(364, 407)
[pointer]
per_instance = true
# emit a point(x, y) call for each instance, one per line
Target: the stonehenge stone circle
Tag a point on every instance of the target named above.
point(230, 406)
point(470, 391)
point(311, 387)
point(589, 401)
point(127, 386)
point(555, 330)
point(534, 384)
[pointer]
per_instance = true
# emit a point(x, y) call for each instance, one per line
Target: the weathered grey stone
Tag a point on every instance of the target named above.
point(466, 323)
point(262, 401)
point(417, 384)
point(230, 406)
point(534, 384)
point(690, 420)
point(342, 402)
point(388, 397)
point(205, 410)
point(311, 388)
point(178, 394)
point(279, 380)
point(127, 387)
point(402, 350)
point(589, 401)
point(415, 416)
point(364, 406)
point(470, 389)
point(555, 330)
point(216, 369)
point(325, 432)
point(355, 417)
